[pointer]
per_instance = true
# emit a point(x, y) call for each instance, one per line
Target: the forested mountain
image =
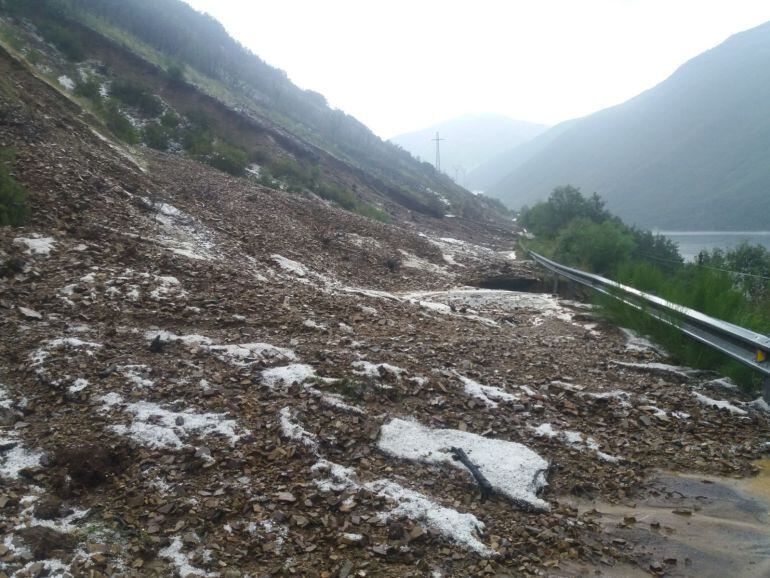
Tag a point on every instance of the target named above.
point(470, 141)
point(690, 153)
point(185, 57)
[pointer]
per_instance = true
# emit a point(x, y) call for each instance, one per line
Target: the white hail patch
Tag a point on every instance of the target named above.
point(78, 385)
point(334, 400)
point(287, 375)
point(635, 342)
point(6, 402)
point(294, 431)
point(290, 266)
point(65, 525)
point(136, 375)
point(683, 373)
point(453, 525)
point(36, 245)
point(721, 383)
point(461, 528)
point(301, 373)
point(241, 354)
point(575, 439)
point(442, 308)
point(367, 369)
point(182, 562)
point(412, 261)
point(623, 397)
point(17, 458)
point(40, 355)
point(512, 469)
point(718, 404)
point(66, 82)
point(156, 427)
point(488, 394)
point(184, 235)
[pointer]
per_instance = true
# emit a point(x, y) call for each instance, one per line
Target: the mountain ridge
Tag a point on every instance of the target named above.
point(694, 143)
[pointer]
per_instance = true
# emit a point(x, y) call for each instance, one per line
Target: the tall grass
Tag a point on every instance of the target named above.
point(13, 196)
point(711, 292)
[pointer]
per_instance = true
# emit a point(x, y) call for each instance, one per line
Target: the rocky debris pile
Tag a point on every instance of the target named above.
point(511, 275)
point(228, 380)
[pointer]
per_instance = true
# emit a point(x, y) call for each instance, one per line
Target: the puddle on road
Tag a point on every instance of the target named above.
point(691, 525)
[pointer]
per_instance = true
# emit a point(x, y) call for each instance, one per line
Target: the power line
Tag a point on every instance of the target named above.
point(438, 152)
point(742, 273)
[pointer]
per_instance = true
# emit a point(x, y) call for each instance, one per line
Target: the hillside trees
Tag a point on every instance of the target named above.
point(580, 231)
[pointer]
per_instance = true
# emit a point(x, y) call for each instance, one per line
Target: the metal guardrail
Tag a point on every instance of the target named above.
point(748, 347)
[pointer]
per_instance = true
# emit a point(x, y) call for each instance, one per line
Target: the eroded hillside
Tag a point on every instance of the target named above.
point(204, 376)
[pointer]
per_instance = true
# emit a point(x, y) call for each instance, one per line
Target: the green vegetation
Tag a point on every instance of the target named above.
point(64, 38)
point(89, 88)
point(137, 95)
point(175, 73)
point(194, 48)
point(13, 196)
point(298, 179)
point(155, 135)
point(119, 123)
point(228, 158)
point(733, 286)
point(578, 230)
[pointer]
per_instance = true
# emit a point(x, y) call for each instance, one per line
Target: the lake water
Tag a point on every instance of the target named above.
point(693, 242)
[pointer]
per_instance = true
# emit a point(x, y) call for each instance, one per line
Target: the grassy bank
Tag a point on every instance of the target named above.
point(732, 286)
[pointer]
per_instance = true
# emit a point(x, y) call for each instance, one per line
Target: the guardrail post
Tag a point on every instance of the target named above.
point(766, 389)
point(555, 284)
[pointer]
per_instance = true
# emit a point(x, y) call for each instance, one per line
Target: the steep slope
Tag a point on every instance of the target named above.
point(690, 153)
point(234, 109)
point(488, 174)
point(204, 376)
point(471, 140)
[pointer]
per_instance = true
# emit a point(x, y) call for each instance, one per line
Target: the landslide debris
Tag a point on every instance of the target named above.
point(289, 337)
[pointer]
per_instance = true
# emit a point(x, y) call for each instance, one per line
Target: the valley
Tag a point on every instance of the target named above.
point(209, 374)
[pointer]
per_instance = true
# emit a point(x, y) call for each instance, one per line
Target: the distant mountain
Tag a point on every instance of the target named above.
point(691, 153)
point(485, 176)
point(470, 141)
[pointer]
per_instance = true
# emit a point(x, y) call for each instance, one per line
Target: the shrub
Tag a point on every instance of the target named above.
point(89, 88)
point(13, 196)
point(154, 135)
point(170, 120)
point(119, 124)
point(197, 141)
point(228, 158)
point(137, 95)
point(600, 247)
point(64, 39)
point(175, 73)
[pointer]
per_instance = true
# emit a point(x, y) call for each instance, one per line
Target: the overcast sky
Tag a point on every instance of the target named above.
point(402, 65)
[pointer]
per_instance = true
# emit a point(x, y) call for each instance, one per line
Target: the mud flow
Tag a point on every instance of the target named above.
point(691, 525)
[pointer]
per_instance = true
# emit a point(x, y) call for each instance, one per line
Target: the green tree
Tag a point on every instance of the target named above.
point(546, 219)
point(599, 247)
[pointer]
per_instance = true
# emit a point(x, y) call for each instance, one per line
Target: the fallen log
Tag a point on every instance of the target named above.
point(486, 488)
